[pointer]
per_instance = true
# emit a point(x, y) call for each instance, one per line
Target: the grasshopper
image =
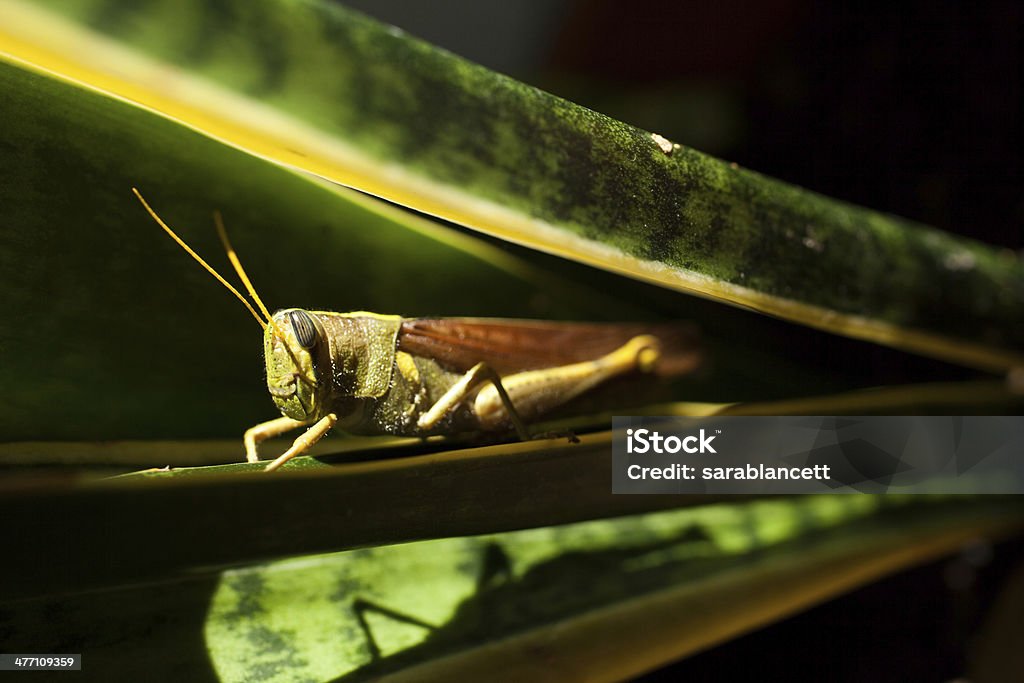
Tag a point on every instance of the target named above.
point(367, 373)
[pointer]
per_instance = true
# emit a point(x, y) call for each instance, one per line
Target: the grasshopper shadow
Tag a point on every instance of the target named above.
point(503, 605)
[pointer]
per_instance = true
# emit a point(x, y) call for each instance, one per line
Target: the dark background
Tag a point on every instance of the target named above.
point(913, 108)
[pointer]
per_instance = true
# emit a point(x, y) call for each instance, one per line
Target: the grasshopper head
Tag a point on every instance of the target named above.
point(296, 348)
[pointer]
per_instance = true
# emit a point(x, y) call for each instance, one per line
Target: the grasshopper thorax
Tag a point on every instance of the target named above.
point(296, 348)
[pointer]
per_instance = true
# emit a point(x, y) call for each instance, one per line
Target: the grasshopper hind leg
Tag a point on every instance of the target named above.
point(535, 393)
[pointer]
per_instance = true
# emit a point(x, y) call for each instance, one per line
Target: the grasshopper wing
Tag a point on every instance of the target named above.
point(516, 345)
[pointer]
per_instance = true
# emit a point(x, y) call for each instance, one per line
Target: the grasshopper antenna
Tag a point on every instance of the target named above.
point(237, 265)
point(208, 267)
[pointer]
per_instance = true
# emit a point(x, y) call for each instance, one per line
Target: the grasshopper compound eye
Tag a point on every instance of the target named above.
point(304, 329)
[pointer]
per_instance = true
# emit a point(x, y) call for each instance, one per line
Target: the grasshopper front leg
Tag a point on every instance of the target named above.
point(272, 428)
point(267, 430)
point(305, 441)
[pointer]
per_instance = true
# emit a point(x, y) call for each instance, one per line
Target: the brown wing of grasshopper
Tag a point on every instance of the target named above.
point(510, 346)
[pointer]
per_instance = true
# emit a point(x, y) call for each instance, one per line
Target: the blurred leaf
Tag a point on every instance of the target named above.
point(605, 600)
point(157, 524)
point(327, 90)
point(153, 524)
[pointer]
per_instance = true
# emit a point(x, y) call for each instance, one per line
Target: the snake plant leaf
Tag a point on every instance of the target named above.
point(174, 520)
point(605, 600)
point(327, 90)
point(111, 331)
point(962, 398)
point(157, 524)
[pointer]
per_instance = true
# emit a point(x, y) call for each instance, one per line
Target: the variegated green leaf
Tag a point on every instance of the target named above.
point(317, 87)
